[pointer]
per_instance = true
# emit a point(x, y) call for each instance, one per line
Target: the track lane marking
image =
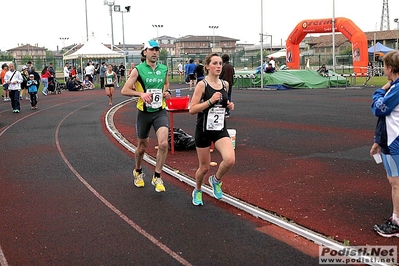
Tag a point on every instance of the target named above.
point(108, 204)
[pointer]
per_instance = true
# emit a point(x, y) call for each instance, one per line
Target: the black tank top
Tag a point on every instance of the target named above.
point(209, 91)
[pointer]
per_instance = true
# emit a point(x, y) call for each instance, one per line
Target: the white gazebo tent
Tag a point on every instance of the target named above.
point(93, 49)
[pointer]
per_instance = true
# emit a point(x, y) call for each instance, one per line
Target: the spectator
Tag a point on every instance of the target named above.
point(180, 70)
point(13, 79)
point(89, 70)
point(227, 74)
point(87, 84)
point(51, 70)
point(190, 70)
point(186, 76)
point(74, 85)
point(33, 86)
point(73, 72)
point(386, 140)
point(269, 68)
point(116, 70)
point(103, 69)
point(45, 76)
point(199, 71)
point(24, 88)
point(66, 72)
point(271, 61)
point(132, 66)
point(96, 73)
point(29, 66)
point(6, 95)
point(370, 74)
point(36, 76)
point(323, 70)
point(122, 71)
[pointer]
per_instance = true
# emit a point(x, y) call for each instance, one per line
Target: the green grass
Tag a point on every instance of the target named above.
point(379, 81)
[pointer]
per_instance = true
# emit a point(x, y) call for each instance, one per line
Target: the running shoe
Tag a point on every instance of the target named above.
point(387, 229)
point(44, 93)
point(197, 197)
point(158, 183)
point(27, 98)
point(216, 186)
point(138, 179)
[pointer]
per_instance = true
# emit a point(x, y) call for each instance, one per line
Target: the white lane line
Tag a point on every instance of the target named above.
point(3, 260)
point(135, 226)
point(239, 204)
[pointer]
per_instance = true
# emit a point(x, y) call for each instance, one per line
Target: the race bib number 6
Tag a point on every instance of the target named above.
point(215, 120)
point(156, 101)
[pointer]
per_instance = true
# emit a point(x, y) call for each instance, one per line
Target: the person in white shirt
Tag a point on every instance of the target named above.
point(89, 70)
point(272, 62)
point(13, 79)
point(66, 72)
point(180, 70)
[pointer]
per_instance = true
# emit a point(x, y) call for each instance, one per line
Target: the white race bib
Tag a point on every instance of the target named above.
point(215, 120)
point(109, 80)
point(156, 101)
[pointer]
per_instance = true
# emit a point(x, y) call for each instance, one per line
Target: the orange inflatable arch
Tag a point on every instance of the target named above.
point(349, 29)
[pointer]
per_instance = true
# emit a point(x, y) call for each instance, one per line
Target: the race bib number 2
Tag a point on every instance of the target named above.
point(156, 98)
point(215, 120)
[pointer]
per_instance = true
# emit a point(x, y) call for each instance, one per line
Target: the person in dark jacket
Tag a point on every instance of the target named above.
point(199, 71)
point(227, 74)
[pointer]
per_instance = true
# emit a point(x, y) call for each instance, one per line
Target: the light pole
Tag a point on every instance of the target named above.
point(110, 3)
point(333, 36)
point(213, 30)
point(261, 44)
point(87, 24)
point(63, 39)
point(397, 27)
point(157, 26)
point(117, 8)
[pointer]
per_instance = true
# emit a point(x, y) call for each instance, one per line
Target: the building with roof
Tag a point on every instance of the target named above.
point(200, 45)
point(323, 44)
point(27, 50)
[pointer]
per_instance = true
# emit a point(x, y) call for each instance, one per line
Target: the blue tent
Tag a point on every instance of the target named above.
point(379, 48)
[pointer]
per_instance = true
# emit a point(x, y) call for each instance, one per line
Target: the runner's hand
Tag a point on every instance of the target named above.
point(230, 105)
point(375, 149)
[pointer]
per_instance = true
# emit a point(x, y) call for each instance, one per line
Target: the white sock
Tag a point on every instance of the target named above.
point(395, 218)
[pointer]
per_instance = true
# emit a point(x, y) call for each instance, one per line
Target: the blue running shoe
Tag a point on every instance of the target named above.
point(197, 197)
point(217, 187)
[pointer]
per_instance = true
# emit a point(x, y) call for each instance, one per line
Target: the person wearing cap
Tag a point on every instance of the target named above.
point(32, 86)
point(149, 82)
point(271, 61)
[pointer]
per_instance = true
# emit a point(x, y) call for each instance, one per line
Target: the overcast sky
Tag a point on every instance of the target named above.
point(44, 22)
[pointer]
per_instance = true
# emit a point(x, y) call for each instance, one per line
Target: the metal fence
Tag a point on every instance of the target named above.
point(239, 61)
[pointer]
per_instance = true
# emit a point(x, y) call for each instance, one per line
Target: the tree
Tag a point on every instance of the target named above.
point(163, 55)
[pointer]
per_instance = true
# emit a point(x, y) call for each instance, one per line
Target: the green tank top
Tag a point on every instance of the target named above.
point(109, 78)
point(151, 81)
